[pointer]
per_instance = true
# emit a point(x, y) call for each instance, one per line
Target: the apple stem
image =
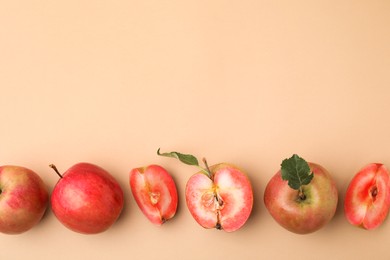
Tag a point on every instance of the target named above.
point(56, 170)
point(207, 168)
point(301, 195)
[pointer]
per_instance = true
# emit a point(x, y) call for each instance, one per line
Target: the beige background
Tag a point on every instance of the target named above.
point(246, 82)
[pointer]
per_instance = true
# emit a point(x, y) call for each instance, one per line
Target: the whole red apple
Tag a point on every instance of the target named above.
point(23, 199)
point(87, 199)
point(302, 197)
point(219, 196)
point(154, 190)
point(367, 200)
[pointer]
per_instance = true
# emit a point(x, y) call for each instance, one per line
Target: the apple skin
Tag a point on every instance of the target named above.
point(155, 192)
point(87, 199)
point(224, 201)
point(309, 215)
point(367, 200)
point(23, 199)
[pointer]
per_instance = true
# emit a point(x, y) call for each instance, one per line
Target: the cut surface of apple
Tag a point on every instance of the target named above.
point(367, 200)
point(155, 192)
point(219, 196)
point(224, 202)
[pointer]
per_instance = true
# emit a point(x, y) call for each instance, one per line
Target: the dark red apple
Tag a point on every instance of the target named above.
point(367, 200)
point(154, 190)
point(87, 199)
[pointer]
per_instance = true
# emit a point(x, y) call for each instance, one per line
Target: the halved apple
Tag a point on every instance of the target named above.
point(155, 192)
point(223, 201)
point(367, 200)
point(219, 196)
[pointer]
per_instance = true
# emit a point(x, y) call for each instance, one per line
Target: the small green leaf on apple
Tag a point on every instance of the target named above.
point(296, 171)
point(187, 159)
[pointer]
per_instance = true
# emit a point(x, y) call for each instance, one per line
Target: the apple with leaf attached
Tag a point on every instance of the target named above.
point(302, 197)
point(367, 200)
point(155, 192)
point(219, 196)
point(23, 199)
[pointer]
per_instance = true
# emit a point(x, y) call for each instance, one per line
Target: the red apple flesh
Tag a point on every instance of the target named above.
point(367, 200)
point(299, 215)
point(154, 190)
point(223, 201)
point(23, 199)
point(87, 199)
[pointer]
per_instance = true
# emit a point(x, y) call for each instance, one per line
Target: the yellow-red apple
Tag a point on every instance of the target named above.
point(301, 197)
point(23, 199)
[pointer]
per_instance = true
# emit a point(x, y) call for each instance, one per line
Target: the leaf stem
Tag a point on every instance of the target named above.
point(207, 169)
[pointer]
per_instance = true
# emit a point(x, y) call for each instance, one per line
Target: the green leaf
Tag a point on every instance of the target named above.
point(185, 158)
point(296, 171)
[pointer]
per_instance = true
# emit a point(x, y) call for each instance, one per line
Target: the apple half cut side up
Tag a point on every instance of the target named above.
point(219, 196)
point(224, 201)
point(367, 200)
point(155, 193)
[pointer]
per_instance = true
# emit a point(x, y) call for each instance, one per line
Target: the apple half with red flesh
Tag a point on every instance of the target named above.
point(87, 199)
point(367, 200)
point(219, 196)
point(302, 197)
point(23, 199)
point(155, 192)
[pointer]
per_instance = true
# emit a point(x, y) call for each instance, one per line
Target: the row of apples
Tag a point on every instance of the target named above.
point(302, 196)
